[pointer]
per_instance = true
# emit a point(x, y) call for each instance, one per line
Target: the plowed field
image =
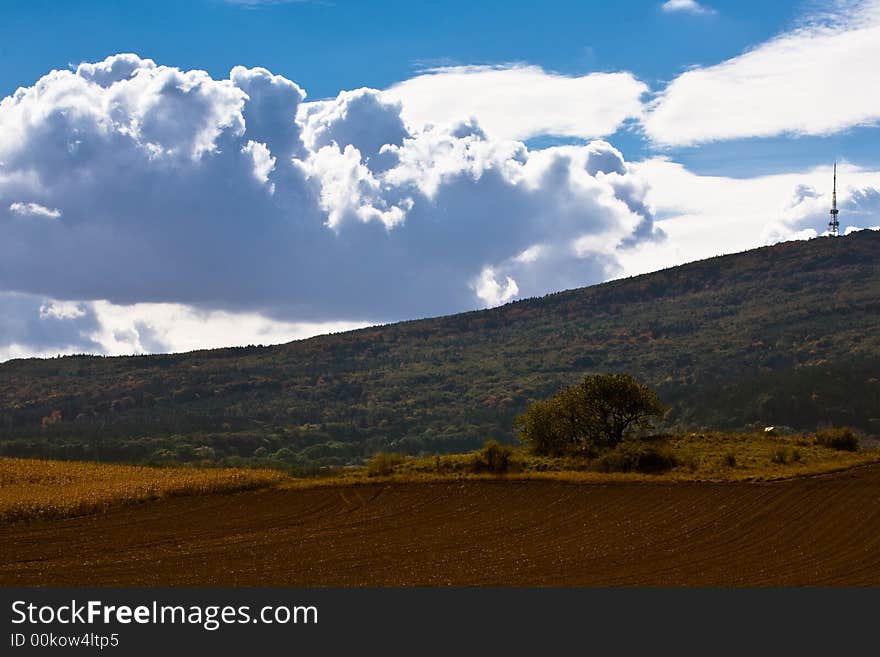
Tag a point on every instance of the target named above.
point(809, 531)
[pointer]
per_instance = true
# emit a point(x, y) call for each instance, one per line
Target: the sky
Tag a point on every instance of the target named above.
point(204, 173)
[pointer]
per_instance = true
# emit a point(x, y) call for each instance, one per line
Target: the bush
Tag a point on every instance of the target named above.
point(729, 459)
point(494, 458)
point(636, 457)
point(383, 464)
point(538, 427)
point(785, 455)
point(844, 438)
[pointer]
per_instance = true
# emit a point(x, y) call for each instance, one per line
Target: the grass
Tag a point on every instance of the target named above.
point(739, 456)
point(712, 456)
point(31, 488)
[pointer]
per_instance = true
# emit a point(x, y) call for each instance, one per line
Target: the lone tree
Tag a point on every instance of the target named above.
point(597, 412)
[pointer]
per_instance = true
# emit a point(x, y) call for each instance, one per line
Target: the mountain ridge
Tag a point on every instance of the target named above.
point(783, 334)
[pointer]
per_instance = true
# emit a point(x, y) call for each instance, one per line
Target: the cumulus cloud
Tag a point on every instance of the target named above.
point(359, 118)
point(146, 208)
point(818, 79)
point(686, 6)
point(235, 196)
point(521, 102)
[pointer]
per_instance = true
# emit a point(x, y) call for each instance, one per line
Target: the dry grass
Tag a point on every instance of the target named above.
point(31, 488)
point(738, 457)
point(709, 457)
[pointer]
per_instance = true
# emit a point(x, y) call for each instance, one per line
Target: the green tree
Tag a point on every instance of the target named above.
point(539, 428)
point(614, 404)
point(597, 412)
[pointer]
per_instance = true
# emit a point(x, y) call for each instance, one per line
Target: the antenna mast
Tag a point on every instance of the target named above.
point(834, 225)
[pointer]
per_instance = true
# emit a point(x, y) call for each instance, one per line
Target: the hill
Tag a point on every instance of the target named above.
point(786, 334)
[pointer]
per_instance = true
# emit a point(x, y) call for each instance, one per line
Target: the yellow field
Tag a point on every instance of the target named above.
point(31, 488)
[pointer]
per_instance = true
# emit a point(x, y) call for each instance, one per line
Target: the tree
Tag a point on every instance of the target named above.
point(613, 404)
point(597, 412)
point(540, 428)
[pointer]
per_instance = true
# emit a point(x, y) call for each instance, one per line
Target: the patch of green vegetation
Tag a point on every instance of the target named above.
point(384, 464)
point(637, 457)
point(712, 456)
point(494, 457)
point(845, 438)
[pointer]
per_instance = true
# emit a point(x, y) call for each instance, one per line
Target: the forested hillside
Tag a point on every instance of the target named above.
point(788, 334)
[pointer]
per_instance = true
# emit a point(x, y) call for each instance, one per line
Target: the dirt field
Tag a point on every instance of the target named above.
point(817, 530)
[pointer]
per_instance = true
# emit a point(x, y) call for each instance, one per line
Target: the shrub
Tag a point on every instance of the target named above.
point(494, 457)
point(383, 464)
point(843, 438)
point(729, 459)
point(539, 428)
point(636, 457)
point(785, 455)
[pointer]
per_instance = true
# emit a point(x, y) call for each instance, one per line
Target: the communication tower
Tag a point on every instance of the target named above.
point(834, 225)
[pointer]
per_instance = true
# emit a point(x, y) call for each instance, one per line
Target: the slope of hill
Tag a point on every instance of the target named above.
point(786, 334)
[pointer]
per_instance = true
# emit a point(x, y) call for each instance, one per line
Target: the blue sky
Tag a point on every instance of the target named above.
point(343, 44)
point(500, 150)
point(330, 46)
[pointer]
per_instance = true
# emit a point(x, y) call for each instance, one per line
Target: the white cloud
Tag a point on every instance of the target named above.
point(359, 118)
point(151, 327)
point(35, 326)
point(31, 325)
point(34, 210)
point(62, 310)
point(521, 102)
point(233, 196)
point(687, 6)
point(264, 163)
point(203, 212)
point(491, 292)
point(705, 216)
point(854, 229)
point(815, 80)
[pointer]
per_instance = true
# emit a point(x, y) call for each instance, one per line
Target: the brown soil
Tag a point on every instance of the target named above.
point(811, 531)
